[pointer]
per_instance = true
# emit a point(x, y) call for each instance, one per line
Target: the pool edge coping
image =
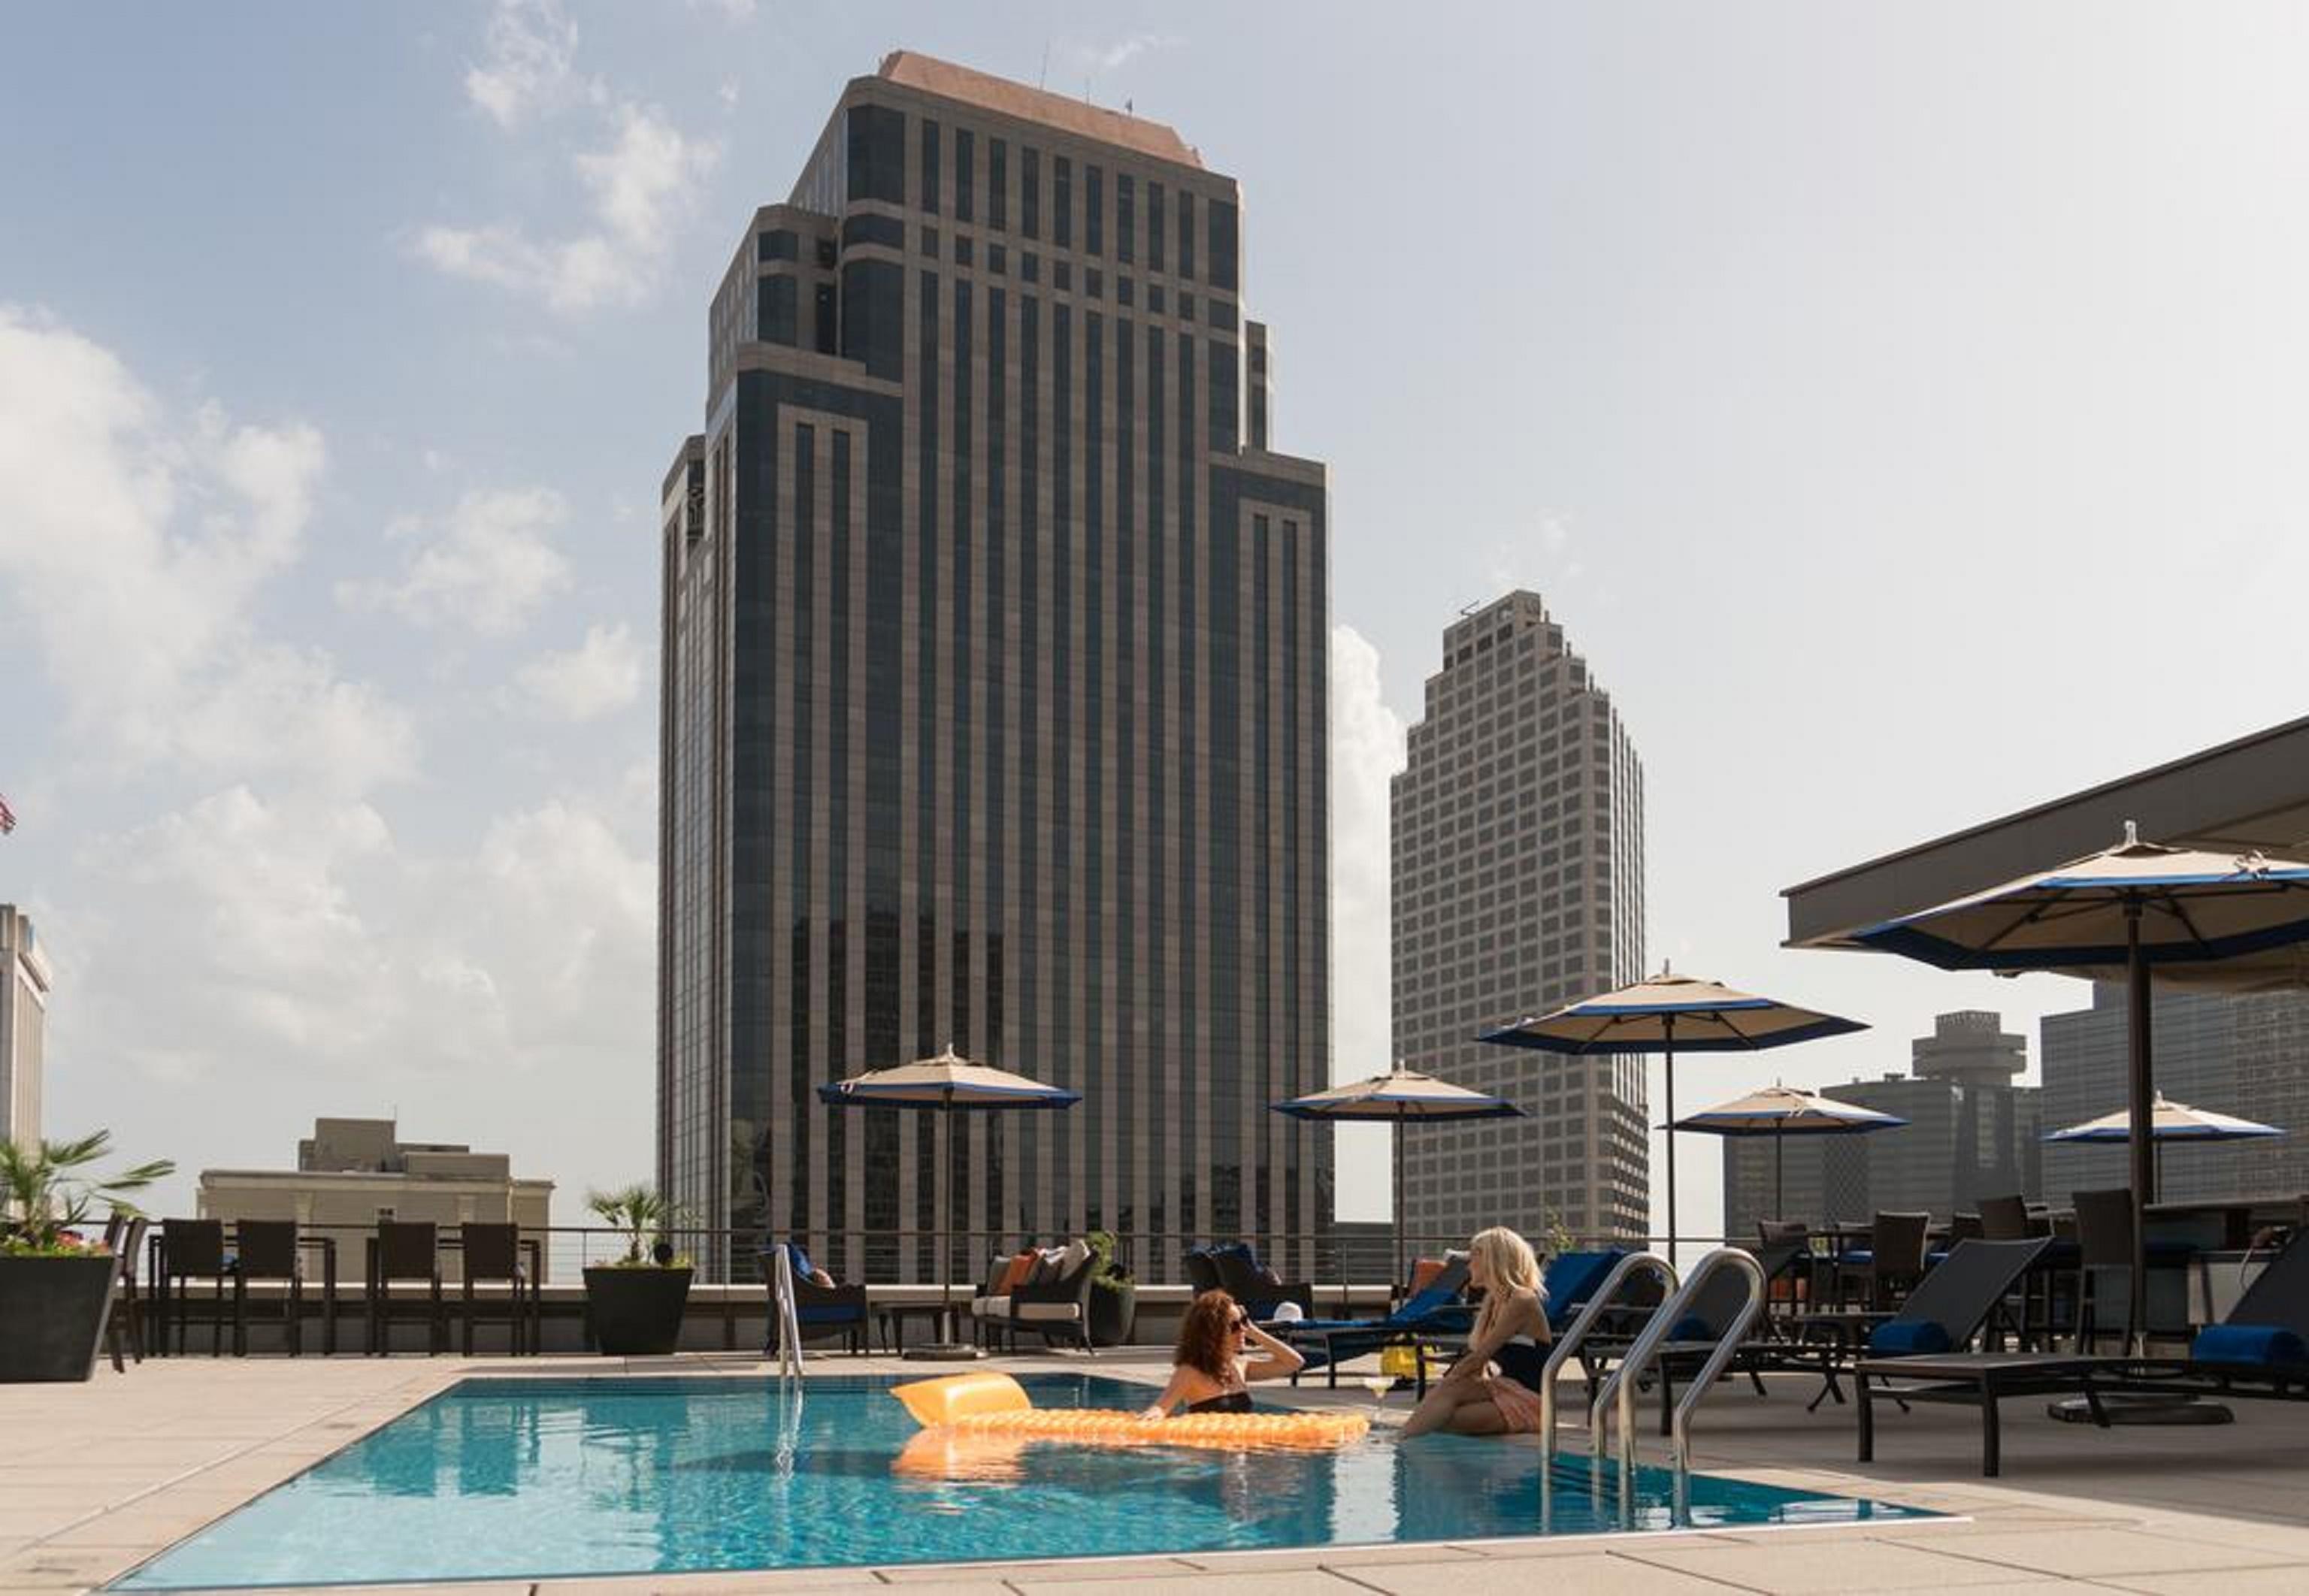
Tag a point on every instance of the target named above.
point(444, 1379)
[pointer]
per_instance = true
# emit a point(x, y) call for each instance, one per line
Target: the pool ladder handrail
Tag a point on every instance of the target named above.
point(1569, 1342)
point(789, 1322)
point(1621, 1383)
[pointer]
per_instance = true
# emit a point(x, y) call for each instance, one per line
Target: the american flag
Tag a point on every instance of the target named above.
point(7, 818)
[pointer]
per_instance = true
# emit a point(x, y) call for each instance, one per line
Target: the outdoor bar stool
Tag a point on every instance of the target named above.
point(2104, 1258)
point(1790, 1289)
point(1893, 1260)
point(493, 1253)
point(194, 1249)
point(267, 1249)
point(403, 1250)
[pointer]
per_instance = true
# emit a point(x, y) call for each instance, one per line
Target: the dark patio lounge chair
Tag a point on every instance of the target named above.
point(2260, 1351)
point(820, 1311)
point(1435, 1310)
point(1236, 1269)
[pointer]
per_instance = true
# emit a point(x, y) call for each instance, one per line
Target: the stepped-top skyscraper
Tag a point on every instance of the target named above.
point(994, 705)
point(1518, 868)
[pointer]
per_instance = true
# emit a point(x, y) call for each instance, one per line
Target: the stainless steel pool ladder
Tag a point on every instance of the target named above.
point(1622, 1384)
point(789, 1322)
point(1568, 1343)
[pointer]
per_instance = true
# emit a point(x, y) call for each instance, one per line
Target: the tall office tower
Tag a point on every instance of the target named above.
point(1518, 856)
point(2236, 1055)
point(1973, 1132)
point(24, 978)
point(994, 701)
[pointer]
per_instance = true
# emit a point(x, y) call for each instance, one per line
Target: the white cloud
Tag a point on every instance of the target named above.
point(489, 565)
point(1542, 560)
point(530, 51)
point(1367, 748)
point(601, 674)
point(642, 183)
point(1080, 60)
point(136, 548)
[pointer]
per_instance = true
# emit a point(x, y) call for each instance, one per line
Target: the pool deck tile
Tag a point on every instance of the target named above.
point(1601, 1573)
point(121, 1467)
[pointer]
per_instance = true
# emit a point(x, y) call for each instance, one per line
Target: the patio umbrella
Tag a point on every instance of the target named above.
point(2168, 1121)
point(1398, 1098)
point(2130, 908)
point(1667, 1015)
point(946, 1084)
point(1775, 1111)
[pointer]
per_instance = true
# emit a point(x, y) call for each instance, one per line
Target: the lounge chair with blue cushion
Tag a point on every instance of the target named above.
point(1436, 1309)
point(820, 1311)
point(2260, 1351)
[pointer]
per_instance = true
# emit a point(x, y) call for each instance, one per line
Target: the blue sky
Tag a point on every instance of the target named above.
point(1899, 407)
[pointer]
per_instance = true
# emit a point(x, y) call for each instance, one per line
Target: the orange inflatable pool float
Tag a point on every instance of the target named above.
point(996, 1406)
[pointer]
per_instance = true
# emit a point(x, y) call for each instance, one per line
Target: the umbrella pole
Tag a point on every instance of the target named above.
point(1670, 1026)
point(2142, 1142)
point(1401, 1274)
point(1780, 1174)
point(946, 1178)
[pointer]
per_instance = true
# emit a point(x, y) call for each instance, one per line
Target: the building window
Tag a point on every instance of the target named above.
point(1062, 203)
point(1126, 218)
point(998, 183)
point(1030, 192)
point(1095, 211)
point(927, 167)
point(965, 162)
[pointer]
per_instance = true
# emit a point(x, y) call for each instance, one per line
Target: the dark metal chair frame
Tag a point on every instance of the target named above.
point(194, 1249)
point(403, 1249)
point(123, 1233)
point(491, 1252)
point(268, 1250)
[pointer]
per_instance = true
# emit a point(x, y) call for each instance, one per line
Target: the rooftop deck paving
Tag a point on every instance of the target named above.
point(96, 1478)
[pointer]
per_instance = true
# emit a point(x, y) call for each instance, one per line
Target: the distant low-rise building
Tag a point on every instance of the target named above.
point(24, 980)
point(351, 1173)
point(1973, 1132)
point(2234, 1054)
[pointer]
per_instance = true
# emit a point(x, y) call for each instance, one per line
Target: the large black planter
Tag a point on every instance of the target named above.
point(636, 1310)
point(52, 1312)
point(1113, 1313)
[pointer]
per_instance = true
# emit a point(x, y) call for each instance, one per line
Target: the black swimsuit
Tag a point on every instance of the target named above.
point(1226, 1402)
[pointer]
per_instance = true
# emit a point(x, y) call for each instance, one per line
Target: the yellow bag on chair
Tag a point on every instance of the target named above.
point(1400, 1360)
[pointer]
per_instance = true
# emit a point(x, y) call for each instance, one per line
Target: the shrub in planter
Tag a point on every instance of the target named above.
point(1113, 1294)
point(56, 1288)
point(634, 1306)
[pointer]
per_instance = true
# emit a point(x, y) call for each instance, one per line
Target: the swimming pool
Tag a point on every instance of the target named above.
point(505, 1478)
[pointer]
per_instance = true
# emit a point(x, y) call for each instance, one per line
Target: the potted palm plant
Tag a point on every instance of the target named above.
point(55, 1287)
point(634, 1304)
point(1113, 1293)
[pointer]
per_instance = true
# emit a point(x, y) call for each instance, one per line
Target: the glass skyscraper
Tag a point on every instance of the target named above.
point(994, 701)
point(1518, 887)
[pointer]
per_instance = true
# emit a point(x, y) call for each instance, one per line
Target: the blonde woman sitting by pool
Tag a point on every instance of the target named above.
point(1212, 1366)
point(1493, 1389)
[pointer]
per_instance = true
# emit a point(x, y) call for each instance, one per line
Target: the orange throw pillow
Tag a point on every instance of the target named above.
point(1424, 1272)
point(1022, 1265)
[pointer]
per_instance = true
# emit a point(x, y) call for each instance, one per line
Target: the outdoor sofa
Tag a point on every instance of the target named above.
point(1047, 1295)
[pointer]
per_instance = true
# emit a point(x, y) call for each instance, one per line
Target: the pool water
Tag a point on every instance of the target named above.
point(505, 1478)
